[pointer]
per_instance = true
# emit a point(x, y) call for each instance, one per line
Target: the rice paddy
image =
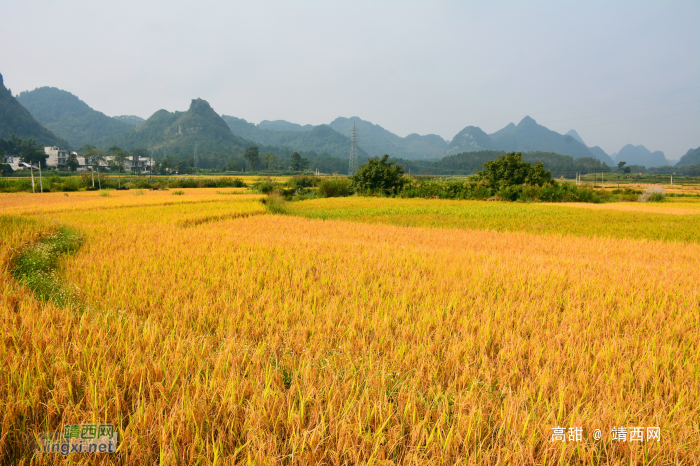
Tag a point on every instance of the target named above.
point(354, 331)
point(677, 221)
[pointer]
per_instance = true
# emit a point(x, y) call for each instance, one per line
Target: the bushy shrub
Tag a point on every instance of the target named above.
point(230, 183)
point(303, 194)
point(188, 183)
point(143, 184)
point(6, 169)
point(303, 181)
point(57, 184)
point(564, 192)
point(265, 186)
point(275, 203)
point(335, 187)
point(15, 186)
point(468, 188)
point(653, 194)
point(87, 177)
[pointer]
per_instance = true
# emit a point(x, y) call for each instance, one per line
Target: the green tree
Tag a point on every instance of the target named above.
point(269, 160)
point(298, 163)
point(621, 168)
point(72, 162)
point(509, 172)
point(166, 165)
point(303, 164)
point(252, 157)
point(5, 169)
point(294, 161)
point(32, 153)
point(232, 166)
point(185, 166)
point(379, 175)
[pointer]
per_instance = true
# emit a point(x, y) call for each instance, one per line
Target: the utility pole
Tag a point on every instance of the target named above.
point(31, 170)
point(353, 151)
point(41, 183)
point(195, 156)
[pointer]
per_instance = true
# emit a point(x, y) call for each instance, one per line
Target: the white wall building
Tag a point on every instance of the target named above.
point(12, 161)
point(57, 157)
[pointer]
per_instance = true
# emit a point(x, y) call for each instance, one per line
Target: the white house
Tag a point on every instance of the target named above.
point(12, 161)
point(57, 157)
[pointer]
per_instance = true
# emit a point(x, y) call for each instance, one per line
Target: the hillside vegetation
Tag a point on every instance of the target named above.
point(377, 141)
point(320, 139)
point(692, 157)
point(17, 120)
point(177, 133)
point(71, 118)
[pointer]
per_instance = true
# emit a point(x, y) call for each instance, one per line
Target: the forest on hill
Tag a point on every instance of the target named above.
point(67, 115)
point(16, 120)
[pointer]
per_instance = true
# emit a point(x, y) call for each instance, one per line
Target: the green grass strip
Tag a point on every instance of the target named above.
point(36, 266)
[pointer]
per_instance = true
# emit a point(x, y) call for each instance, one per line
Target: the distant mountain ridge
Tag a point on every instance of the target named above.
point(71, 118)
point(574, 134)
point(526, 136)
point(692, 157)
point(597, 152)
point(470, 138)
point(377, 141)
point(373, 139)
point(132, 120)
point(320, 139)
point(282, 125)
point(17, 120)
point(640, 155)
point(178, 132)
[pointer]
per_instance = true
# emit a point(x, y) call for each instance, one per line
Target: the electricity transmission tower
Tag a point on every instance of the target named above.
point(353, 151)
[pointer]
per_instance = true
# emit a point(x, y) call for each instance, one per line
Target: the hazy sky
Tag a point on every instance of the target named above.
point(411, 67)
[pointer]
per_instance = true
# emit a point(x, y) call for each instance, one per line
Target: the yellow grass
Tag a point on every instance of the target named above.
point(214, 334)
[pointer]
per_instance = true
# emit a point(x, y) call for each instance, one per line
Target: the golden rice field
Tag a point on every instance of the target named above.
point(355, 331)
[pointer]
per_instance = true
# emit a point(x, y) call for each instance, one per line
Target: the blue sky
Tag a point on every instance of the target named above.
point(618, 72)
